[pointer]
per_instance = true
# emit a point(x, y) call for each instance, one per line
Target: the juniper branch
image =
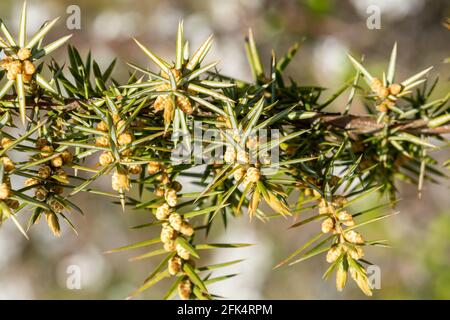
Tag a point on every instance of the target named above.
point(357, 124)
point(325, 159)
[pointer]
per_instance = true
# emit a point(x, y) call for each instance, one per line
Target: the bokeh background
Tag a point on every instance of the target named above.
point(417, 265)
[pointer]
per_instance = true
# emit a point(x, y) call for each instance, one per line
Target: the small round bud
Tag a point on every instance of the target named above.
point(46, 151)
point(327, 225)
point(159, 192)
point(24, 53)
point(395, 89)
point(382, 107)
point(185, 289)
point(383, 92)
point(230, 155)
point(164, 179)
point(171, 197)
point(15, 67)
point(168, 233)
point(354, 237)
point(163, 102)
point(170, 246)
point(346, 218)
point(252, 143)
point(135, 169)
point(182, 252)
point(339, 201)
point(57, 162)
point(6, 62)
point(5, 142)
point(333, 254)
point(106, 158)
point(186, 229)
point(175, 221)
point(116, 118)
point(153, 167)
point(55, 205)
point(252, 175)
point(376, 84)
point(325, 208)
point(41, 194)
point(5, 191)
point(120, 181)
point(67, 156)
point(28, 67)
point(125, 138)
point(102, 141)
point(174, 265)
point(102, 126)
point(8, 165)
point(44, 172)
point(62, 173)
point(356, 252)
point(243, 157)
point(185, 105)
point(239, 173)
point(163, 212)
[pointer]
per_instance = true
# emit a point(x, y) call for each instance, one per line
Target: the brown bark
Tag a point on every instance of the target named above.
point(368, 124)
